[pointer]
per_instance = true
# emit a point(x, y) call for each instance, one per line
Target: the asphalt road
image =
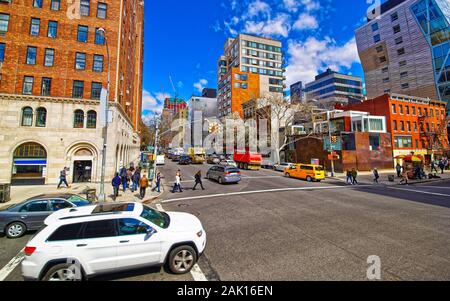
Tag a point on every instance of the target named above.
point(272, 228)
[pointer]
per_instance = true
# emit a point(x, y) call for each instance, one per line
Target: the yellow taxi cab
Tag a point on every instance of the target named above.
point(306, 172)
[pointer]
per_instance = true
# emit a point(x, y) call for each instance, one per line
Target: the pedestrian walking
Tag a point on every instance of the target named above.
point(198, 180)
point(349, 177)
point(80, 173)
point(158, 182)
point(123, 177)
point(399, 170)
point(143, 185)
point(404, 177)
point(354, 176)
point(376, 174)
point(129, 176)
point(177, 184)
point(442, 166)
point(434, 163)
point(63, 178)
point(135, 178)
point(116, 181)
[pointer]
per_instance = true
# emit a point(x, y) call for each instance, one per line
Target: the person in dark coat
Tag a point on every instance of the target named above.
point(135, 178)
point(376, 174)
point(399, 170)
point(198, 180)
point(63, 178)
point(354, 176)
point(123, 178)
point(158, 182)
point(349, 177)
point(116, 185)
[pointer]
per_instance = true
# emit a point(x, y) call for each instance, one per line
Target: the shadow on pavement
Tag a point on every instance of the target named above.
point(150, 271)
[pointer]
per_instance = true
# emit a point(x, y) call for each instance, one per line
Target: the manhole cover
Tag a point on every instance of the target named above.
point(183, 205)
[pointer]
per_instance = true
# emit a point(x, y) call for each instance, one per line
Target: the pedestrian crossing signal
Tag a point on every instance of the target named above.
point(334, 140)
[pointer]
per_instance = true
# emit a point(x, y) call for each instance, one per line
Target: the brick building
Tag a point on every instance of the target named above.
point(53, 65)
point(417, 124)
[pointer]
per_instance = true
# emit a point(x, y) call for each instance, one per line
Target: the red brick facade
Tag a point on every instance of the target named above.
point(125, 22)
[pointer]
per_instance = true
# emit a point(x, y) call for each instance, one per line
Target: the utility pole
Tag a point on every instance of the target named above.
point(102, 195)
point(155, 154)
point(331, 148)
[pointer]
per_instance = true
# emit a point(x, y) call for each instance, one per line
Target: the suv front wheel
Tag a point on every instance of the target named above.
point(182, 259)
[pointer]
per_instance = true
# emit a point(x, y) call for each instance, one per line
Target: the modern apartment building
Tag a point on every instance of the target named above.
point(174, 104)
point(297, 92)
point(249, 68)
point(417, 124)
point(330, 88)
point(407, 49)
point(53, 66)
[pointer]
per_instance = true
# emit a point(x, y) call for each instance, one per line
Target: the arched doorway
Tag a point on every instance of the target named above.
point(29, 164)
point(83, 158)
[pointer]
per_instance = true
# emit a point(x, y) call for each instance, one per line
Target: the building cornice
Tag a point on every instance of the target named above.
point(35, 98)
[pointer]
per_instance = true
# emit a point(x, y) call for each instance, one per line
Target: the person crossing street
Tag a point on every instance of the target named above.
point(198, 180)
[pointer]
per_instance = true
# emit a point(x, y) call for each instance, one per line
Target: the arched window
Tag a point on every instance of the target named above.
point(27, 116)
point(92, 120)
point(78, 119)
point(41, 117)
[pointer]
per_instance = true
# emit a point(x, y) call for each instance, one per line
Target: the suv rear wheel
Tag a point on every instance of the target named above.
point(63, 272)
point(15, 230)
point(220, 180)
point(182, 259)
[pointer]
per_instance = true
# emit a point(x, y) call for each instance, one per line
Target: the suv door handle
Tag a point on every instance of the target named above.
point(124, 241)
point(81, 245)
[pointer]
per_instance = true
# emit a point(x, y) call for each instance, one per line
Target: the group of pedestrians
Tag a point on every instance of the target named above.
point(443, 164)
point(133, 179)
point(177, 184)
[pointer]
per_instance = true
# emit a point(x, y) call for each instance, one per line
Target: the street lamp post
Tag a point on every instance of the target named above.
point(102, 195)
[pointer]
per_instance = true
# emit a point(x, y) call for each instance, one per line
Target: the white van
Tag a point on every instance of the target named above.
point(160, 160)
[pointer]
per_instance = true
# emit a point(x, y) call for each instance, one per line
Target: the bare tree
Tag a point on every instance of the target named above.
point(281, 113)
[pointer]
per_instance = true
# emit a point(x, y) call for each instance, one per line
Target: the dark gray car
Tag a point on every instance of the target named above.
point(224, 174)
point(29, 215)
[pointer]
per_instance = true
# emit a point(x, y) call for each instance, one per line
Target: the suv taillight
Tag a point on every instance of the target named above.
point(29, 250)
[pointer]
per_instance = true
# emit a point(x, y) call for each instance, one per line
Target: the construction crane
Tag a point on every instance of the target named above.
point(173, 87)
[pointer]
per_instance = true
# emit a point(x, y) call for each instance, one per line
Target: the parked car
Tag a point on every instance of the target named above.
point(185, 160)
point(176, 158)
point(306, 172)
point(160, 160)
point(281, 167)
point(267, 164)
point(228, 163)
point(224, 174)
point(213, 159)
point(29, 215)
point(112, 237)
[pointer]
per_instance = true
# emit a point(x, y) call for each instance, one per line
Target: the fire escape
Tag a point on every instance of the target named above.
point(434, 136)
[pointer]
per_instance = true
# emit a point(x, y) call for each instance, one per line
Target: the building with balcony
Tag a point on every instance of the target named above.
point(53, 66)
point(250, 67)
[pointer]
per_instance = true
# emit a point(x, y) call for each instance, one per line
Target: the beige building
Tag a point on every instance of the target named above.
point(41, 135)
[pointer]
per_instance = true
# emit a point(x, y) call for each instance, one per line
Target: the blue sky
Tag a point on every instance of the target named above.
point(184, 39)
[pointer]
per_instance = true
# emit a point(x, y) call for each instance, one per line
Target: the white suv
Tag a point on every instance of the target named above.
point(79, 243)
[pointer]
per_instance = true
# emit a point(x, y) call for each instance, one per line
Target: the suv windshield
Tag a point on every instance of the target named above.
point(161, 219)
point(319, 168)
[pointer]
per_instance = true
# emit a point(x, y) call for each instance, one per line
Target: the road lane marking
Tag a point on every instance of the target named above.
point(197, 273)
point(11, 265)
point(420, 191)
point(260, 191)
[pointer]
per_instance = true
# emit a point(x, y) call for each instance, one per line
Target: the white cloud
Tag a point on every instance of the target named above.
point(161, 96)
point(276, 27)
point(311, 5)
point(308, 57)
point(306, 21)
point(152, 104)
point(258, 7)
point(201, 84)
point(291, 5)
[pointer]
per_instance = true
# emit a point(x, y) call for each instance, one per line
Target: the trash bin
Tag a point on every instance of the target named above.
point(391, 178)
point(5, 193)
point(91, 195)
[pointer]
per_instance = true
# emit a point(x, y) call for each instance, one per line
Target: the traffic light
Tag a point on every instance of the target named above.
point(334, 140)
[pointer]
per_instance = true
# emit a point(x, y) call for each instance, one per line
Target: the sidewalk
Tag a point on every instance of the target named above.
point(21, 193)
point(367, 178)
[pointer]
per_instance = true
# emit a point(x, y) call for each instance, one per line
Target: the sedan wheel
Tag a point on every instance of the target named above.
point(309, 179)
point(288, 175)
point(220, 180)
point(182, 259)
point(15, 230)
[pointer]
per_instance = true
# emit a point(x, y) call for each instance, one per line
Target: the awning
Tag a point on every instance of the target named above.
point(28, 162)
